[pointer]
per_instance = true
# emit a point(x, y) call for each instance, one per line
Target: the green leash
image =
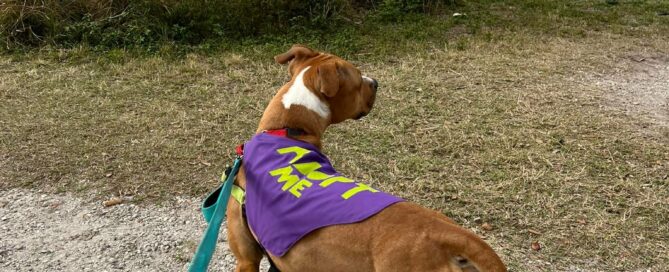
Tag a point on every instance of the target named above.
point(213, 209)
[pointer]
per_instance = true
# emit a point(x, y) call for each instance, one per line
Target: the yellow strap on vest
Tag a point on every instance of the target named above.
point(238, 194)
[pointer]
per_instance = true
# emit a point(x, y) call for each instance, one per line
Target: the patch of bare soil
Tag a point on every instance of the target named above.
point(46, 232)
point(640, 88)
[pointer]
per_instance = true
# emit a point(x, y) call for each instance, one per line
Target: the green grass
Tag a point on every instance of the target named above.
point(492, 117)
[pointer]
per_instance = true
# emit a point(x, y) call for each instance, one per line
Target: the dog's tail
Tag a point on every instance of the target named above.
point(470, 253)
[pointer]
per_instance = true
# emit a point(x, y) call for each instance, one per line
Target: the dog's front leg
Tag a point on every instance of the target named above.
point(241, 241)
point(245, 248)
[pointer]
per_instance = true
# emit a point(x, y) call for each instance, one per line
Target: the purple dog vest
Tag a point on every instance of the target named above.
point(292, 190)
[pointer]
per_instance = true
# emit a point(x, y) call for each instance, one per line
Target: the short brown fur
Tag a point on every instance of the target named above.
point(402, 237)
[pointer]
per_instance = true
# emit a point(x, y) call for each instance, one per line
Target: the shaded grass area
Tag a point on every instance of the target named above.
point(487, 118)
point(381, 33)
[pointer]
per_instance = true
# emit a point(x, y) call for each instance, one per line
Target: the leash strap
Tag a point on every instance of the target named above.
point(219, 203)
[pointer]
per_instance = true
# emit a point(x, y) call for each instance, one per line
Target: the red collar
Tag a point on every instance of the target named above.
point(284, 132)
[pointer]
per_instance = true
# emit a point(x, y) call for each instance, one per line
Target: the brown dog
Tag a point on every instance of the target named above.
point(402, 237)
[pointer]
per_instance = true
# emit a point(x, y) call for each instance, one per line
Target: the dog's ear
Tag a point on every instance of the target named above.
point(298, 52)
point(328, 79)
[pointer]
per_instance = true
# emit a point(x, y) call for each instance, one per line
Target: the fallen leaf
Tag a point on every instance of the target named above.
point(486, 226)
point(108, 174)
point(112, 201)
point(536, 246)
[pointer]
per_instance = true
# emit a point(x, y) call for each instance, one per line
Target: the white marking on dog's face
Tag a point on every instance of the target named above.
point(368, 79)
point(299, 94)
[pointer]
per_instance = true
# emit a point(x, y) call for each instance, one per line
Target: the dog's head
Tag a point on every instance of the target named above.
point(339, 90)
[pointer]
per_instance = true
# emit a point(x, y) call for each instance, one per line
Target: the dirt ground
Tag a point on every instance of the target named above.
point(640, 89)
point(47, 232)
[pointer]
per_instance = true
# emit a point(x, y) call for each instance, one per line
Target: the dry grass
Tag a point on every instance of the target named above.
point(509, 130)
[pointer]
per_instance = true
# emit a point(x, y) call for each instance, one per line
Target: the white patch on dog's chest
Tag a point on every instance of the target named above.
point(299, 94)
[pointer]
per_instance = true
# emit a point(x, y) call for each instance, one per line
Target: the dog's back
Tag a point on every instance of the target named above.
point(403, 237)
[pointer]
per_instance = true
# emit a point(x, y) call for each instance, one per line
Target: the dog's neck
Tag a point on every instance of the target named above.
point(277, 116)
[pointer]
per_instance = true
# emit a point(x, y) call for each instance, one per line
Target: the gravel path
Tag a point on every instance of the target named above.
point(43, 232)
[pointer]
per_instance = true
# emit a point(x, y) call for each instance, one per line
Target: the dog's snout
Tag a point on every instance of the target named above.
point(375, 84)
